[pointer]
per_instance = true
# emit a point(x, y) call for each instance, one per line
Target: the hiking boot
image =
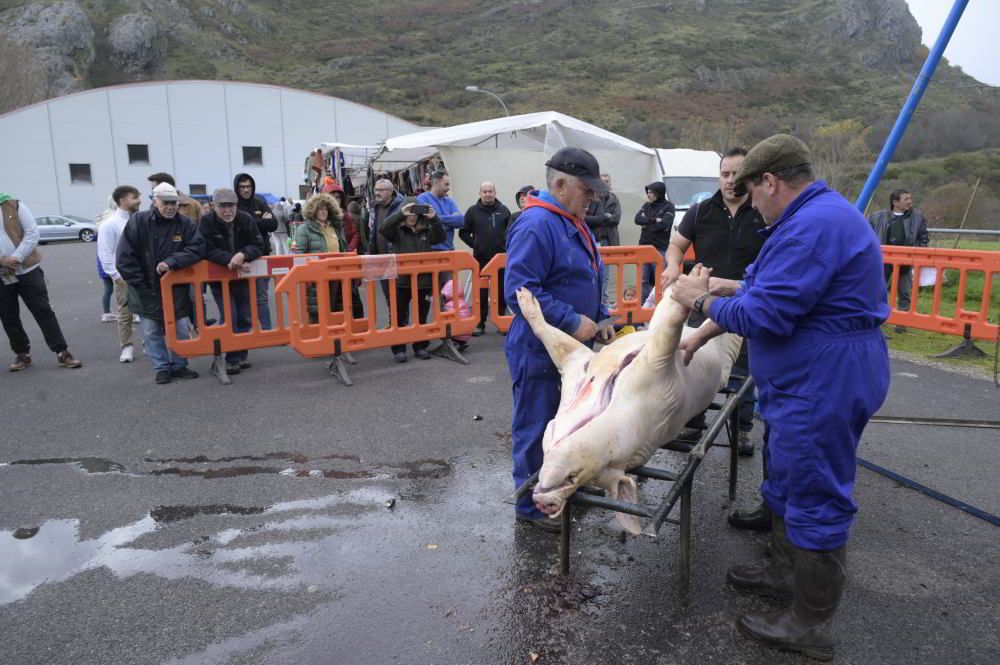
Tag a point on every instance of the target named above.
point(479, 331)
point(232, 368)
point(771, 578)
point(807, 626)
point(757, 519)
point(128, 354)
point(66, 359)
point(689, 434)
point(105, 318)
point(547, 524)
point(21, 361)
point(184, 373)
point(400, 357)
point(163, 376)
point(422, 354)
point(746, 445)
point(245, 364)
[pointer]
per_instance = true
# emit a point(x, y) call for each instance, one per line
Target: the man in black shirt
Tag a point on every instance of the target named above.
point(724, 230)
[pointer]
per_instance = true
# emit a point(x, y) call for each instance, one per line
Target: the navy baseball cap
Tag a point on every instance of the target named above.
point(580, 163)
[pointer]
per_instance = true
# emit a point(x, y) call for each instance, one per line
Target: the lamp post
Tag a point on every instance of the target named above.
point(475, 88)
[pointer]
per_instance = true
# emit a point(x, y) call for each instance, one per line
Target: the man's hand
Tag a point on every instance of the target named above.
point(670, 275)
point(11, 262)
point(406, 209)
point(267, 215)
point(688, 288)
point(606, 334)
point(587, 329)
point(237, 261)
point(690, 344)
point(718, 286)
point(431, 213)
point(162, 268)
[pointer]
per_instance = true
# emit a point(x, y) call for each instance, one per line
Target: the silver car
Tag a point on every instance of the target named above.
point(65, 227)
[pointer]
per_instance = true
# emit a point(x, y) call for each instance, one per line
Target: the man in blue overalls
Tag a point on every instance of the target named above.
point(811, 309)
point(552, 253)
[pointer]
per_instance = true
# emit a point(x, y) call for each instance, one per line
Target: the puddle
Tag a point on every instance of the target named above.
point(171, 514)
point(88, 464)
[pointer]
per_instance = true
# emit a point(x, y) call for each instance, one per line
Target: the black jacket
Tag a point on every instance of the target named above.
point(485, 229)
point(603, 216)
point(406, 240)
point(725, 243)
point(914, 227)
point(373, 241)
point(147, 240)
point(220, 248)
point(656, 218)
point(258, 209)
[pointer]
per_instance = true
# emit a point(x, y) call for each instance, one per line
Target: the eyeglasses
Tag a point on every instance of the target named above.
point(382, 189)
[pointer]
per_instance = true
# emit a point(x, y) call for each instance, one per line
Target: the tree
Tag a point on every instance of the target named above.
point(839, 153)
point(22, 79)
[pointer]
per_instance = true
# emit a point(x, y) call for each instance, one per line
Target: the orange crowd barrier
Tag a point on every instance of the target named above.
point(220, 338)
point(617, 259)
point(966, 321)
point(333, 330)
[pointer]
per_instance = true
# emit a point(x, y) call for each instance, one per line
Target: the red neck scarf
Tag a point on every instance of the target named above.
point(533, 202)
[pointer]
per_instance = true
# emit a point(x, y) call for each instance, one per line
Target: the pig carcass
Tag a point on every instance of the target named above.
point(622, 403)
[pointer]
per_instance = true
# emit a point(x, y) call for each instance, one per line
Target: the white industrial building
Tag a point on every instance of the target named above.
point(66, 155)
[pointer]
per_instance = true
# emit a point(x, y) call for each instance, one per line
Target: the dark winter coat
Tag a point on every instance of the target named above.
point(220, 248)
point(485, 229)
point(656, 218)
point(257, 208)
point(603, 216)
point(373, 241)
point(914, 225)
point(407, 240)
point(147, 240)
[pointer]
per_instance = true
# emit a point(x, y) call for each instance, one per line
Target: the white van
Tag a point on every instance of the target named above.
point(690, 176)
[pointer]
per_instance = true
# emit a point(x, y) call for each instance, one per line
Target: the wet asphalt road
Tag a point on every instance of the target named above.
point(249, 524)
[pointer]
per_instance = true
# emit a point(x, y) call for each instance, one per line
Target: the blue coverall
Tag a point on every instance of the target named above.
point(547, 254)
point(811, 310)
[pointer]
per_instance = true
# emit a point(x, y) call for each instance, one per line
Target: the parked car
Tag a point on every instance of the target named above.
point(65, 227)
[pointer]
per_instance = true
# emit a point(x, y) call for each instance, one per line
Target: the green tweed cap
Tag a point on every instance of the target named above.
point(777, 153)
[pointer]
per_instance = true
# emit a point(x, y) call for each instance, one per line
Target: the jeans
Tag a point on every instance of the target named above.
point(109, 287)
point(740, 371)
point(649, 275)
point(263, 309)
point(239, 304)
point(156, 344)
point(30, 287)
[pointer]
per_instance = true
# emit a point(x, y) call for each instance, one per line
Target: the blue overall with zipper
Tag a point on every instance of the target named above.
point(811, 309)
point(555, 256)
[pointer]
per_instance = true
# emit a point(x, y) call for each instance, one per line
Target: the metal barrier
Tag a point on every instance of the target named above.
point(969, 323)
point(625, 310)
point(335, 332)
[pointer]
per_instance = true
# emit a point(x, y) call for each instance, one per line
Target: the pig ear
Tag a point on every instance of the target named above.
point(626, 489)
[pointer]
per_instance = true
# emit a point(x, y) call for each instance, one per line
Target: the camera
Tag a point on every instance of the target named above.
point(419, 209)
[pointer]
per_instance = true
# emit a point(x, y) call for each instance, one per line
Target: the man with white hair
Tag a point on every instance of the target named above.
point(552, 253)
point(386, 202)
point(485, 231)
point(154, 242)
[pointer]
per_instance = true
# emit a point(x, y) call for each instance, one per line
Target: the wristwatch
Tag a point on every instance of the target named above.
point(699, 303)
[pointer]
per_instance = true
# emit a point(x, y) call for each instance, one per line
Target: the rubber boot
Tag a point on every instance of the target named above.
point(771, 578)
point(756, 519)
point(807, 626)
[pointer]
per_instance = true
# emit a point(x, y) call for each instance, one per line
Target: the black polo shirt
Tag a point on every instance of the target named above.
point(725, 243)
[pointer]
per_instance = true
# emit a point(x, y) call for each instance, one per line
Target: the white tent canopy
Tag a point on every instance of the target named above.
point(518, 147)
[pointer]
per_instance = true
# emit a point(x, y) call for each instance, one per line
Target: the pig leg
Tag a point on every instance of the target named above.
point(666, 328)
point(561, 347)
point(621, 487)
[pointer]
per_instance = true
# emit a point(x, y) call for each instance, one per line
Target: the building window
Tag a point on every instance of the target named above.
point(253, 155)
point(304, 191)
point(198, 189)
point(138, 154)
point(80, 174)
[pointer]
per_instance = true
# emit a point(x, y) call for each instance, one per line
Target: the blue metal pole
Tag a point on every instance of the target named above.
point(919, 86)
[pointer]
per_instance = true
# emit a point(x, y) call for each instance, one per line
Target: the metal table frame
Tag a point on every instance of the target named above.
point(728, 418)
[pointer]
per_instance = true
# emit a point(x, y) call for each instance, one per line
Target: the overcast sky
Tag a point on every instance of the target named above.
point(975, 46)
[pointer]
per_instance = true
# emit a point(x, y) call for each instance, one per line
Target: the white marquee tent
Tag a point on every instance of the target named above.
point(511, 152)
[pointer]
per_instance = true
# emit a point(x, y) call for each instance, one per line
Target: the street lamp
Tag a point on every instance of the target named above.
point(475, 88)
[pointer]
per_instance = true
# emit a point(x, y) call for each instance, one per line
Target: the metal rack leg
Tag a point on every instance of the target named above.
point(564, 534)
point(686, 538)
point(734, 451)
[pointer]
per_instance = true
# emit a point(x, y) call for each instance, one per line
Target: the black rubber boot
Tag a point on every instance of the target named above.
point(756, 519)
point(771, 578)
point(807, 626)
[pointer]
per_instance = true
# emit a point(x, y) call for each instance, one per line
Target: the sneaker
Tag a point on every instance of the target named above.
point(245, 364)
point(400, 357)
point(128, 354)
point(479, 331)
point(163, 376)
point(67, 360)
point(746, 445)
point(22, 361)
point(547, 524)
point(184, 373)
point(422, 354)
point(109, 317)
point(232, 368)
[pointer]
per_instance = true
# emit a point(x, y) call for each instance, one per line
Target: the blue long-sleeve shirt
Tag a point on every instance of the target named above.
point(449, 214)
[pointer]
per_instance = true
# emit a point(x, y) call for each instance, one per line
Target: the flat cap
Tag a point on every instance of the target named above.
point(777, 153)
point(223, 195)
